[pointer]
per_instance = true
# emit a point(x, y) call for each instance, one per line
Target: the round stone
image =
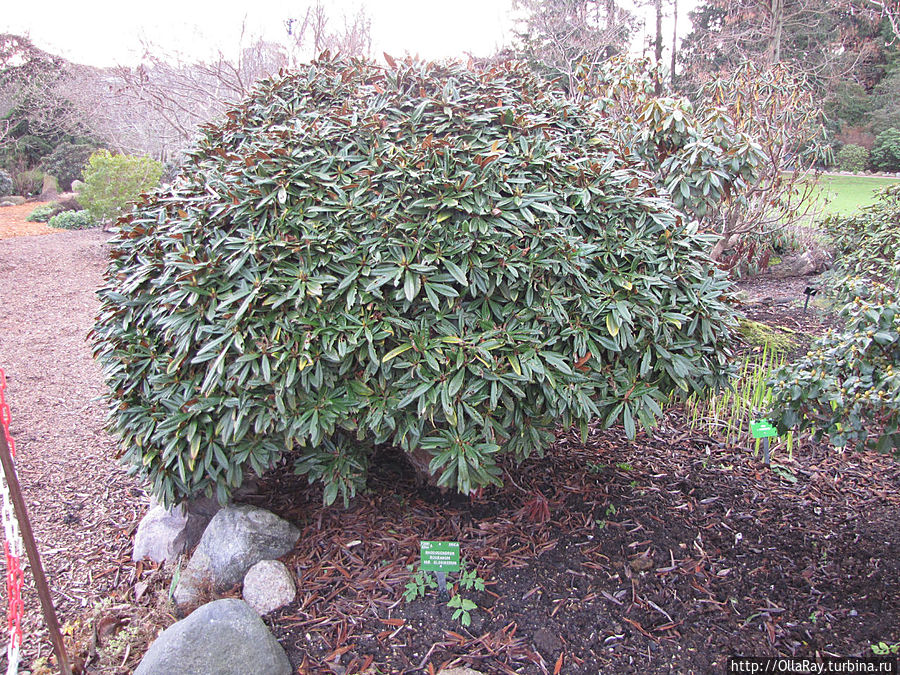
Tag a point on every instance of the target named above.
point(268, 586)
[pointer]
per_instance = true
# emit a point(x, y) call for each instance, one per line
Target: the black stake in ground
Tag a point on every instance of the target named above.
point(40, 581)
point(809, 291)
point(443, 594)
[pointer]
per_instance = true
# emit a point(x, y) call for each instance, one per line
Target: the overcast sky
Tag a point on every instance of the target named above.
point(107, 32)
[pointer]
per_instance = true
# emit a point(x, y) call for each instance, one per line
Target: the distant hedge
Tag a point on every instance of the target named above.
point(112, 182)
point(885, 154)
point(854, 158)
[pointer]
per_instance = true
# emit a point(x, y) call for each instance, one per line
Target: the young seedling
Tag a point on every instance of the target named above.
point(416, 587)
point(469, 579)
point(463, 607)
point(884, 649)
point(422, 581)
point(595, 467)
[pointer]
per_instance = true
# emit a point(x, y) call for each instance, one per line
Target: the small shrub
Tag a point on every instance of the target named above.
point(111, 182)
point(28, 183)
point(73, 220)
point(848, 385)
point(853, 158)
point(421, 256)
point(66, 163)
point(866, 243)
point(886, 151)
point(43, 213)
point(6, 183)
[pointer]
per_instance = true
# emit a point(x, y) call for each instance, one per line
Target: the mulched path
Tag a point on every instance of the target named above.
point(13, 223)
point(81, 502)
point(662, 555)
point(780, 303)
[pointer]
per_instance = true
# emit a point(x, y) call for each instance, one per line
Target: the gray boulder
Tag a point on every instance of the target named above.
point(164, 534)
point(269, 585)
point(12, 200)
point(236, 538)
point(225, 637)
point(812, 261)
point(157, 534)
point(49, 189)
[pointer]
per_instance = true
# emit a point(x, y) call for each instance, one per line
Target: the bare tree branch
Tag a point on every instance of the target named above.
point(567, 37)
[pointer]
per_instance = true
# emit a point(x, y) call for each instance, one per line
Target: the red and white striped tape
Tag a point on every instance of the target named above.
point(12, 547)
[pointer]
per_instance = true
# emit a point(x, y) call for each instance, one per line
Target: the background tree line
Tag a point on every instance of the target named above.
point(846, 49)
point(49, 105)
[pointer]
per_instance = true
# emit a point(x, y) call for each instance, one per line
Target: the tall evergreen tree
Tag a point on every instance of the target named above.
point(35, 113)
point(830, 40)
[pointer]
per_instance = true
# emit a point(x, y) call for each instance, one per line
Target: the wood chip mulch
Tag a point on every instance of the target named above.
point(82, 505)
point(662, 555)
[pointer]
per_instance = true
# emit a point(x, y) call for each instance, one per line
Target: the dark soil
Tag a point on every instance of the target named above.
point(782, 302)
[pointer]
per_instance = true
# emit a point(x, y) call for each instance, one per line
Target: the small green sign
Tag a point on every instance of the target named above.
point(762, 429)
point(439, 556)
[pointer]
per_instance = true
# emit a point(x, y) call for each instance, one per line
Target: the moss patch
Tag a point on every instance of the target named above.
point(756, 334)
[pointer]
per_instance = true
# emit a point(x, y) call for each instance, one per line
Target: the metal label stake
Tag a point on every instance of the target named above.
point(763, 429)
point(439, 557)
point(809, 291)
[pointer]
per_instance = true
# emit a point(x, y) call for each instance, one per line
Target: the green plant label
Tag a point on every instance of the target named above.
point(762, 429)
point(439, 556)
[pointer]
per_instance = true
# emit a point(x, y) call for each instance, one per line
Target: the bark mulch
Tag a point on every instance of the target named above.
point(780, 302)
point(667, 554)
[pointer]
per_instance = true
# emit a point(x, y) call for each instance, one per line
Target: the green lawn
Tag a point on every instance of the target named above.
point(845, 194)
